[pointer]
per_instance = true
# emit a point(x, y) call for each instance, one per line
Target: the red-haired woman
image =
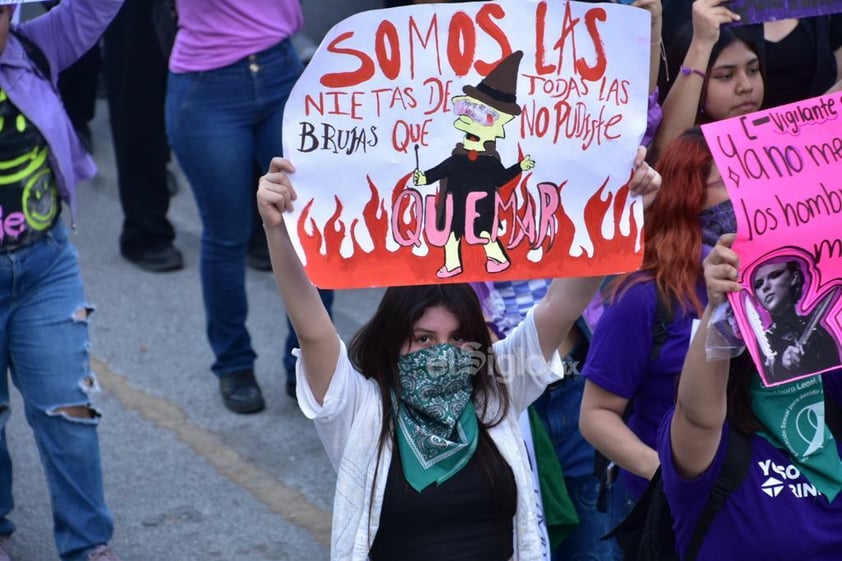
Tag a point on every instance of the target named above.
point(629, 362)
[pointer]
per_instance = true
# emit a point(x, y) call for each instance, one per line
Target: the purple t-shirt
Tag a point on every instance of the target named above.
point(775, 515)
point(618, 362)
point(215, 33)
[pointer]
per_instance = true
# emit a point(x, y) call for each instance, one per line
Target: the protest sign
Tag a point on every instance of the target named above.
point(758, 11)
point(460, 142)
point(783, 171)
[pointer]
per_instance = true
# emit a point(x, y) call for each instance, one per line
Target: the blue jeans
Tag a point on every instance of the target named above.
point(221, 123)
point(559, 407)
point(44, 345)
point(584, 543)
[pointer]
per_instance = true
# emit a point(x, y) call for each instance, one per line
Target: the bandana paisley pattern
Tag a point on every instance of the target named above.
point(437, 428)
point(717, 220)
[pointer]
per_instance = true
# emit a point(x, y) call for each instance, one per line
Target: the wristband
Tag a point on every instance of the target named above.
point(687, 71)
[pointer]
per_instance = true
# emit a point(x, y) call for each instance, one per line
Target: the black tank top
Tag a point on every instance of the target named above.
point(790, 67)
point(468, 518)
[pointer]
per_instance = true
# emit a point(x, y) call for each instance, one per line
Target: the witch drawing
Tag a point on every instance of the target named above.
point(473, 173)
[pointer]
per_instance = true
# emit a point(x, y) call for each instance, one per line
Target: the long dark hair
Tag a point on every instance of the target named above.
point(681, 43)
point(740, 414)
point(375, 349)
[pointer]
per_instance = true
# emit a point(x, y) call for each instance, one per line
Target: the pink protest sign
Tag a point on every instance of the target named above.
point(783, 171)
point(468, 142)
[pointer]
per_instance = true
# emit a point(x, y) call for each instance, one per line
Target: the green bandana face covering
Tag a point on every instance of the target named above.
point(793, 420)
point(437, 426)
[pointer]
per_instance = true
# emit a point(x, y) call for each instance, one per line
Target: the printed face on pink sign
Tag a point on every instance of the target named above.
point(783, 170)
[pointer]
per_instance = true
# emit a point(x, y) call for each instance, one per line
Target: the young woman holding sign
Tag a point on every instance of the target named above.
point(715, 70)
point(423, 378)
point(788, 505)
point(639, 343)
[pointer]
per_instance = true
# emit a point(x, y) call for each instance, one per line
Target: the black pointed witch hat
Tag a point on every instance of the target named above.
point(499, 89)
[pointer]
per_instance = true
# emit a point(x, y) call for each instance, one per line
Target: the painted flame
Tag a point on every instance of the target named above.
point(365, 255)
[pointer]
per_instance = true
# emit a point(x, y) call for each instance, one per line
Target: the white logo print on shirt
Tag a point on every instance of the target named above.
point(777, 477)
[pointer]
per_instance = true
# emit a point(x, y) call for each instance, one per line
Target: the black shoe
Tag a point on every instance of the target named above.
point(240, 392)
point(291, 389)
point(160, 260)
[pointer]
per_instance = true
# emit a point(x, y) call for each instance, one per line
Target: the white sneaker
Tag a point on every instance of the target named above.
point(101, 553)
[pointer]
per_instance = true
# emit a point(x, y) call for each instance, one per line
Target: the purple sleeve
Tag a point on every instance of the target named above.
point(70, 29)
point(618, 358)
point(687, 497)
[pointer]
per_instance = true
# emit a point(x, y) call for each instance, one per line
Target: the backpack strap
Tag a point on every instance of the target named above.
point(660, 329)
point(35, 54)
point(734, 470)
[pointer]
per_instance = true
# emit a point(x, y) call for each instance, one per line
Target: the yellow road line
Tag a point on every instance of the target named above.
point(285, 501)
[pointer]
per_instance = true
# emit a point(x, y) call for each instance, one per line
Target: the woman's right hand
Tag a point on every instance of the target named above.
point(721, 271)
point(275, 193)
point(708, 15)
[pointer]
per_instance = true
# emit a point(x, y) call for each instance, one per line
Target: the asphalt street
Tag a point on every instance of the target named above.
point(186, 479)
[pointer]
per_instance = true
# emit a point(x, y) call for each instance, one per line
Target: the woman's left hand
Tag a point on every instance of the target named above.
point(645, 181)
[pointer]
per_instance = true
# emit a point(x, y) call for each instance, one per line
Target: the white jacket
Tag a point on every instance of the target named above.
point(349, 423)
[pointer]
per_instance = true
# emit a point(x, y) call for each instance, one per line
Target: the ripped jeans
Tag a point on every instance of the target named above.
point(44, 346)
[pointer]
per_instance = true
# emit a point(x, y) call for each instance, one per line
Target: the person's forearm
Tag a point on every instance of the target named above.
point(311, 321)
point(654, 64)
point(701, 407)
point(681, 106)
point(655, 51)
point(609, 434)
point(301, 298)
point(702, 386)
point(564, 302)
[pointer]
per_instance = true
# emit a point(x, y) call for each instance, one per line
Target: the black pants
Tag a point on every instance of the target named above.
point(136, 77)
point(77, 85)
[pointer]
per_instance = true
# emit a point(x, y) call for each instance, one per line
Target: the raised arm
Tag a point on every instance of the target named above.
point(567, 298)
point(316, 333)
point(655, 49)
point(70, 29)
point(681, 106)
point(702, 403)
